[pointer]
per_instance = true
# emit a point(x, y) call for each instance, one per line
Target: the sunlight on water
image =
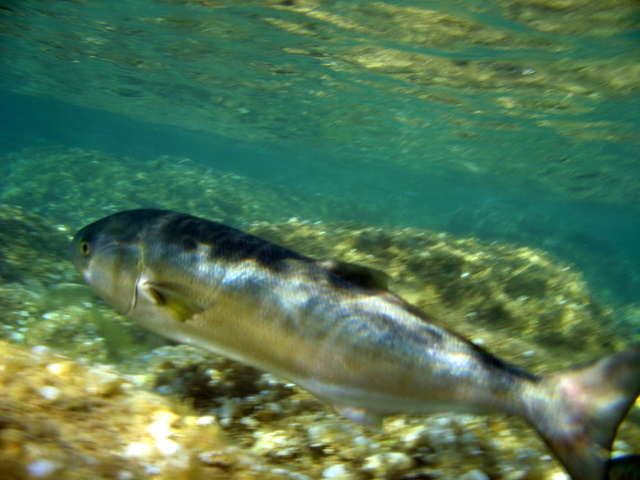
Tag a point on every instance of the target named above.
point(435, 110)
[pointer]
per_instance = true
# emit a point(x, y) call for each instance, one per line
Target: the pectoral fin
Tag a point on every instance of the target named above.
point(166, 297)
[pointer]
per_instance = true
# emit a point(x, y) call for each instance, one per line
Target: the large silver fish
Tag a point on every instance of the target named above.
point(335, 330)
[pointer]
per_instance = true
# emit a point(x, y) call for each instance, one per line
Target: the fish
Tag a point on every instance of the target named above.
point(338, 331)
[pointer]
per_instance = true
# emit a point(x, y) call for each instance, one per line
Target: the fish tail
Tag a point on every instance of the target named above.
point(579, 411)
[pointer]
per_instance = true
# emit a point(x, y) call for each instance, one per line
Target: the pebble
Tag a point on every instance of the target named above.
point(40, 350)
point(159, 429)
point(323, 434)
point(167, 446)
point(337, 472)
point(49, 392)
point(277, 444)
point(206, 420)
point(61, 368)
point(416, 438)
point(43, 468)
point(104, 382)
point(560, 476)
point(475, 475)
point(388, 464)
point(138, 449)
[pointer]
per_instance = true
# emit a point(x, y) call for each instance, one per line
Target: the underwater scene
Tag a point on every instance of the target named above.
point(442, 166)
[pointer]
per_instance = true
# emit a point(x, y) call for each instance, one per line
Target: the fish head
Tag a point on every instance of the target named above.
point(108, 254)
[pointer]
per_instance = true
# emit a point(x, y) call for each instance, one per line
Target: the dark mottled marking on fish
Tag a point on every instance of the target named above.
point(336, 330)
point(187, 233)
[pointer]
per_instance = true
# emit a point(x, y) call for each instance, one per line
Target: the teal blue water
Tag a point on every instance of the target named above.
point(511, 120)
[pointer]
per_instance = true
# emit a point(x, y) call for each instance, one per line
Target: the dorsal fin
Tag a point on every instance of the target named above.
point(364, 277)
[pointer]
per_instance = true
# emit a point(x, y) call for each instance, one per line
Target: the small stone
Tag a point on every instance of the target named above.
point(49, 392)
point(40, 350)
point(416, 438)
point(61, 368)
point(277, 444)
point(339, 438)
point(475, 475)
point(139, 449)
point(206, 420)
point(159, 429)
point(166, 446)
point(216, 459)
point(337, 472)
point(43, 468)
point(104, 383)
point(387, 464)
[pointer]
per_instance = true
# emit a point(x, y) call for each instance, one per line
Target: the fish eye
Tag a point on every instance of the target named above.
point(85, 248)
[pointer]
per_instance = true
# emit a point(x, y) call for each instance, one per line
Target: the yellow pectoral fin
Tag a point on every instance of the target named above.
point(167, 298)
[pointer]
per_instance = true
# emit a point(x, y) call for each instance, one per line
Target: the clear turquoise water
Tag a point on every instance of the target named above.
point(507, 120)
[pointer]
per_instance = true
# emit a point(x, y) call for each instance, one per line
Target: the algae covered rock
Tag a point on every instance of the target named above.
point(74, 186)
point(32, 248)
point(62, 420)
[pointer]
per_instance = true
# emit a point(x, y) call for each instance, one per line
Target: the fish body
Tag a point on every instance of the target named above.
point(338, 332)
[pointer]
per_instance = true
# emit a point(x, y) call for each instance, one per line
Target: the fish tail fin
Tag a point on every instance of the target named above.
point(580, 411)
